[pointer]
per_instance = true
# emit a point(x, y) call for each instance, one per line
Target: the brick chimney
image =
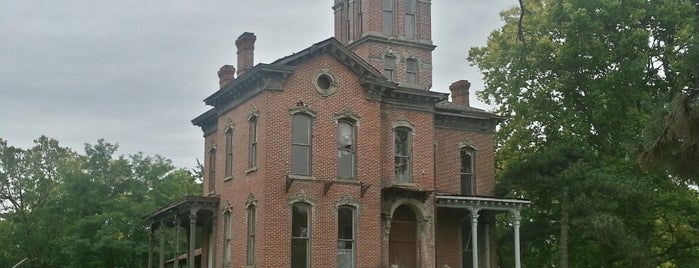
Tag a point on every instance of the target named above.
point(459, 92)
point(225, 75)
point(246, 51)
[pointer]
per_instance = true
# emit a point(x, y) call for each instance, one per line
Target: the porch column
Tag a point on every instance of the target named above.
point(192, 237)
point(516, 218)
point(150, 246)
point(212, 237)
point(177, 242)
point(162, 245)
point(474, 235)
point(486, 247)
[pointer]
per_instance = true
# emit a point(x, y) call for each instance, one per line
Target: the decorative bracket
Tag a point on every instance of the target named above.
point(326, 186)
point(289, 182)
point(364, 187)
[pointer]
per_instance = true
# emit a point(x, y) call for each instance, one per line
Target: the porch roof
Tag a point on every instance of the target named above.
point(476, 202)
point(184, 205)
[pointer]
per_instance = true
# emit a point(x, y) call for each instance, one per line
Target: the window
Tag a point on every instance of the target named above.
point(402, 154)
point(300, 235)
point(389, 65)
point(387, 16)
point(345, 237)
point(345, 149)
point(251, 236)
point(212, 169)
point(467, 159)
point(229, 153)
point(301, 144)
point(411, 71)
point(252, 136)
point(358, 20)
point(227, 238)
point(410, 19)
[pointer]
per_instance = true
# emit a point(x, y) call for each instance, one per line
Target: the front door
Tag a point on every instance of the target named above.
point(403, 238)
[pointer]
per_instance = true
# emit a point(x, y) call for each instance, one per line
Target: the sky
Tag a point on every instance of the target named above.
point(134, 72)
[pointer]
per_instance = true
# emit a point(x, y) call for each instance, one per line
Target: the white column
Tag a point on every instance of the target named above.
point(192, 238)
point(474, 236)
point(516, 218)
point(486, 247)
point(177, 242)
point(162, 244)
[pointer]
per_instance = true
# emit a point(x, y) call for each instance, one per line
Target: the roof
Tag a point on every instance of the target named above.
point(454, 109)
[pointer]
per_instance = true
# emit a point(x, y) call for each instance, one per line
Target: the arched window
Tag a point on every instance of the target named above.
point(301, 144)
point(468, 183)
point(250, 260)
point(410, 10)
point(346, 243)
point(403, 154)
point(229, 153)
point(212, 169)
point(300, 235)
point(346, 149)
point(252, 137)
point(227, 238)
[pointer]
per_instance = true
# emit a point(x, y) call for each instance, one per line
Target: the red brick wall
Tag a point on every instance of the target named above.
point(448, 160)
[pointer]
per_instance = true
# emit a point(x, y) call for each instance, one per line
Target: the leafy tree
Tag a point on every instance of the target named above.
point(64, 209)
point(581, 83)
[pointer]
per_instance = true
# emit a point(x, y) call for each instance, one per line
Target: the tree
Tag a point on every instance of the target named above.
point(581, 83)
point(64, 209)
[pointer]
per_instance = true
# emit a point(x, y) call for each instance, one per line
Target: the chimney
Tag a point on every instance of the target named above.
point(225, 75)
point(246, 51)
point(459, 92)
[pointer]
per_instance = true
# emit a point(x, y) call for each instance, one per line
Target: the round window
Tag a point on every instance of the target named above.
point(325, 83)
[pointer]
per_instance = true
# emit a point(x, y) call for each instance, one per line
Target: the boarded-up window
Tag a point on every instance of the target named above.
point(467, 182)
point(251, 236)
point(411, 71)
point(389, 67)
point(252, 136)
point(229, 153)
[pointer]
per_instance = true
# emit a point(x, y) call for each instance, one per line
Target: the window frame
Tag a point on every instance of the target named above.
point(387, 19)
point(212, 169)
point(410, 19)
point(296, 144)
point(389, 67)
point(250, 243)
point(465, 173)
point(228, 172)
point(252, 141)
point(405, 159)
point(351, 151)
point(411, 70)
point(353, 239)
point(227, 237)
point(304, 235)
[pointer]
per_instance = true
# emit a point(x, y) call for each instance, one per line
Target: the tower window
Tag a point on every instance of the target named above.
point(387, 17)
point(411, 71)
point(403, 154)
point(410, 19)
point(301, 144)
point(389, 67)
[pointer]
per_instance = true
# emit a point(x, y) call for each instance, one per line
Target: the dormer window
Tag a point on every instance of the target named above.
point(389, 67)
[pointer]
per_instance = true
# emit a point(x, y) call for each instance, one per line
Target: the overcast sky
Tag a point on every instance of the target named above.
point(135, 72)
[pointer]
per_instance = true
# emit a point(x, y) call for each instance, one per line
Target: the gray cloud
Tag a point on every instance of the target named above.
point(135, 72)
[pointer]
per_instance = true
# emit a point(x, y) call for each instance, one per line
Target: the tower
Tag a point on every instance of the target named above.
point(393, 36)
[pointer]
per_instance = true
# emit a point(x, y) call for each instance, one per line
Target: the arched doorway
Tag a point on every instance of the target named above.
point(402, 242)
